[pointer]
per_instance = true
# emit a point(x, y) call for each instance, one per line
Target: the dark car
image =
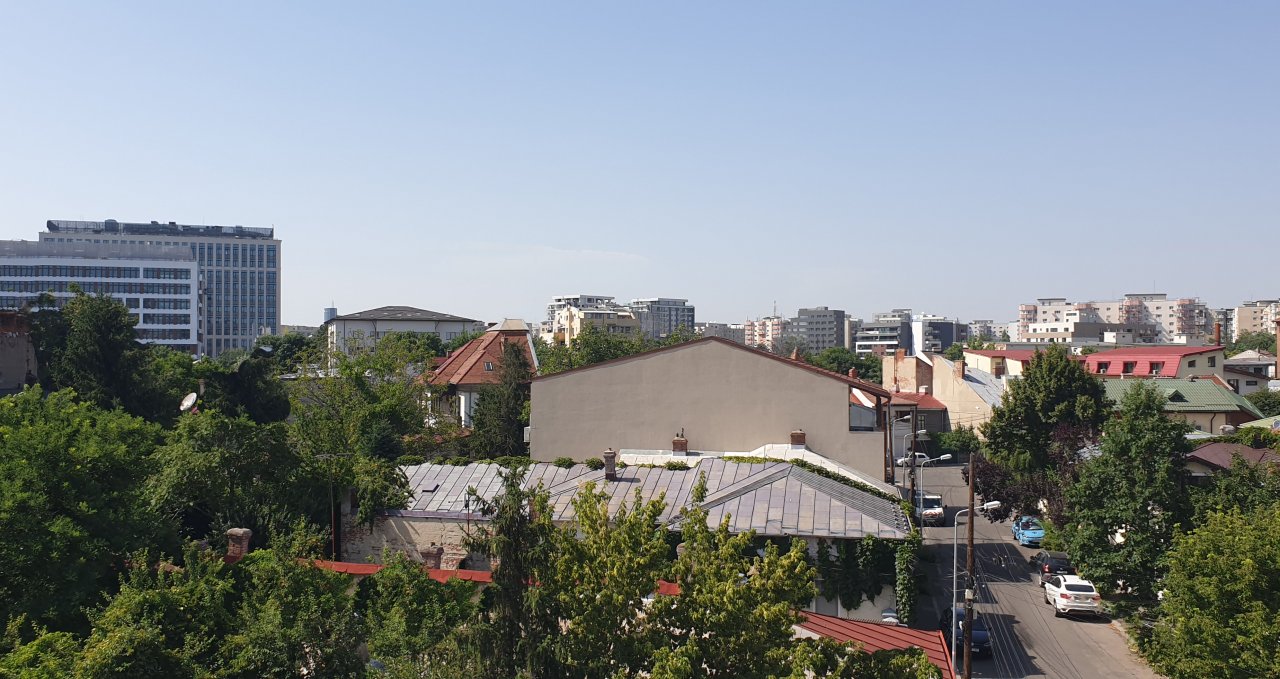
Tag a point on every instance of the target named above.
point(980, 641)
point(1048, 563)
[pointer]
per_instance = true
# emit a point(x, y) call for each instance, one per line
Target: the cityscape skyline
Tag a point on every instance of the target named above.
point(479, 161)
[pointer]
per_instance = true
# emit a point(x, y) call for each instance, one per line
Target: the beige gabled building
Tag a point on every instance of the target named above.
point(722, 396)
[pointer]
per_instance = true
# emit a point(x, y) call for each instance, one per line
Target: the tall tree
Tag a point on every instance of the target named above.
point(1267, 401)
point(99, 357)
point(408, 614)
point(840, 360)
point(1258, 341)
point(499, 418)
point(1244, 486)
point(1131, 499)
point(71, 503)
point(1220, 616)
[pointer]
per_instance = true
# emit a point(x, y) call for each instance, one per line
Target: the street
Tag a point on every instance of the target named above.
point(1028, 640)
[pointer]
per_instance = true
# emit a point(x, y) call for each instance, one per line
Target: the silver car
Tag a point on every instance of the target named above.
point(1071, 594)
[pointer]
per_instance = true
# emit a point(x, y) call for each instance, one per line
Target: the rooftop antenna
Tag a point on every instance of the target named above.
point(775, 307)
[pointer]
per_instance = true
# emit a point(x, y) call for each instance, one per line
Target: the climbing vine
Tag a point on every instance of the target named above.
point(905, 584)
point(854, 570)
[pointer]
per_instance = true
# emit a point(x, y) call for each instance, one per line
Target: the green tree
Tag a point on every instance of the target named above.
point(840, 360)
point(1258, 341)
point(793, 345)
point(1220, 616)
point(289, 351)
point(48, 336)
point(499, 418)
point(408, 613)
point(99, 357)
point(1133, 489)
point(960, 443)
point(71, 503)
point(1245, 486)
point(36, 653)
point(1267, 401)
point(823, 657)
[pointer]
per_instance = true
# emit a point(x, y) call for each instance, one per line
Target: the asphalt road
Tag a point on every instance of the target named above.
point(1028, 640)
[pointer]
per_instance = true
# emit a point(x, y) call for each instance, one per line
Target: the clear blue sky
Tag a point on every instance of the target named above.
point(478, 158)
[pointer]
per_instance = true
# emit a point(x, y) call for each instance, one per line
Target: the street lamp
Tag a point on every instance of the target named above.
point(955, 546)
point(940, 458)
point(904, 418)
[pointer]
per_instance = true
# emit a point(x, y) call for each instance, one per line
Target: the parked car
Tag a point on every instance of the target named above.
point(1048, 563)
point(1071, 594)
point(980, 640)
point(929, 509)
point(912, 459)
point(1028, 531)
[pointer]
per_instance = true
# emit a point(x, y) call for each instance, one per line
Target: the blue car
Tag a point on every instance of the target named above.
point(1028, 531)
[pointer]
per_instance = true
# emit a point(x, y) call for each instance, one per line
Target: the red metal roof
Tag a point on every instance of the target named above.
point(1170, 355)
point(878, 636)
point(437, 574)
point(466, 365)
point(921, 401)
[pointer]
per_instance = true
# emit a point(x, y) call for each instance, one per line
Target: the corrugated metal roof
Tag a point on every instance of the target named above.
point(878, 636)
point(988, 387)
point(772, 498)
point(1188, 395)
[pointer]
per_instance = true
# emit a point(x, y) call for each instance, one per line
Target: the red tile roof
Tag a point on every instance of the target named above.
point(921, 401)
point(465, 366)
point(878, 636)
point(1219, 454)
point(1170, 355)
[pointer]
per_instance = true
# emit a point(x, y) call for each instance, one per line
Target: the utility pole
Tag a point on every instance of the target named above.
point(971, 589)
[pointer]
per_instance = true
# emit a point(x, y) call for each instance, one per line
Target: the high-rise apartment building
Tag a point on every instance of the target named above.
point(1256, 316)
point(160, 285)
point(1184, 320)
point(885, 333)
point(984, 329)
point(660, 316)
point(766, 332)
point(819, 328)
point(933, 334)
point(730, 331)
point(239, 271)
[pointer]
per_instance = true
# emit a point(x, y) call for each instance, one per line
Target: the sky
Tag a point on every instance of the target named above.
point(479, 158)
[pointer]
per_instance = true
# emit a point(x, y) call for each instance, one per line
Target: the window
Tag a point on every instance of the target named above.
point(1191, 363)
point(488, 366)
point(1129, 367)
point(1251, 383)
point(1156, 368)
point(1213, 361)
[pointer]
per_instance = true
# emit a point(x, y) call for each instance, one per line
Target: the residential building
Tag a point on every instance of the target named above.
point(477, 364)
point(933, 334)
point(159, 285)
point(724, 397)
point(819, 328)
point(17, 354)
point(239, 272)
point(1208, 460)
point(734, 332)
point(985, 329)
point(851, 328)
point(765, 333)
point(580, 301)
point(1255, 316)
point(1244, 382)
point(660, 317)
point(1252, 361)
point(999, 362)
point(1184, 320)
point(1088, 333)
point(1224, 329)
point(1204, 403)
point(352, 332)
point(789, 503)
point(1157, 361)
point(570, 321)
point(885, 333)
point(879, 636)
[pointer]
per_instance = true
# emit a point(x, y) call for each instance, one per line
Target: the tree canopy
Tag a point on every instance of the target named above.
point(1256, 340)
point(1267, 401)
point(840, 360)
point(500, 415)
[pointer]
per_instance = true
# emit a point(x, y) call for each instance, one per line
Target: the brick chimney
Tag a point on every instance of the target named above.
point(997, 368)
point(853, 373)
point(680, 445)
point(610, 465)
point(797, 438)
point(959, 369)
point(237, 544)
point(1217, 334)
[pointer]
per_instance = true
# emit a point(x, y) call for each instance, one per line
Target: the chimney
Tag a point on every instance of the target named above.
point(1217, 334)
point(797, 439)
point(680, 445)
point(610, 465)
point(853, 373)
point(959, 370)
point(899, 354)
point(997, 368)
point(237, 544)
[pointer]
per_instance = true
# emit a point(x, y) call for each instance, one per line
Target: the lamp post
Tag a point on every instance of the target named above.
point(940, 458)
point(955, 547)
point(904, 418)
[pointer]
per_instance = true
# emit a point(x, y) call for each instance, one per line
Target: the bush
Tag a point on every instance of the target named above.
point(593, 463)
point(676, 465)
point(961, 443)
point(563, 462)
point(410, 460)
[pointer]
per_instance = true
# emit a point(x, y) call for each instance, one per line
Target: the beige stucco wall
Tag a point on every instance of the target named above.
point(907, 373)
point(725, 398)
point(964, 406)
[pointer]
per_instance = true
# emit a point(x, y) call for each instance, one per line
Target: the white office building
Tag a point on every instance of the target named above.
point(659, 317)
point(239, 272)
point(160, 285)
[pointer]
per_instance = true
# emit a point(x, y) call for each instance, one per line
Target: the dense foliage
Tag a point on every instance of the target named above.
point(500, 415)
point(593, 345)
point(840, 360)
point(1258, 341)
point(1267, 401)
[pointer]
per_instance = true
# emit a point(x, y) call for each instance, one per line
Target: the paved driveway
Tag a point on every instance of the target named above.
point(1028, 640)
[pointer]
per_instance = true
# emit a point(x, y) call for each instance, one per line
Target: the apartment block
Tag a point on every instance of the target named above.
point(1181, 321)
point(239, 272)
point(885, 333)
point(766, 332)
point(735, 332)
point(160, 285)
point(1256, 316)
point(819, 328)
point(660, 317)
point(933, 334)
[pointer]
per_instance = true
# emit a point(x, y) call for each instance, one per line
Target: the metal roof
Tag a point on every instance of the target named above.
point(400, 313)
point(771, 498)
point(1187, 395)
point(988, 387)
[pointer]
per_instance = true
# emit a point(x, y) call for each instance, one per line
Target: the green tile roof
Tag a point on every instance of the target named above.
point(1189, 396)
point(1266, 422)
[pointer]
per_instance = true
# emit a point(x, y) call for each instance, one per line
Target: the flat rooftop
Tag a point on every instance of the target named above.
point(112, 226)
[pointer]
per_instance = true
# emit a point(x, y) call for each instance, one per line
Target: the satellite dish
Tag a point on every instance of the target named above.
point(188, 402)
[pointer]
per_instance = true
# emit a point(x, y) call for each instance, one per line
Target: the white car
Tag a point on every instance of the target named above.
point(920, 458)
point(1071, 594)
